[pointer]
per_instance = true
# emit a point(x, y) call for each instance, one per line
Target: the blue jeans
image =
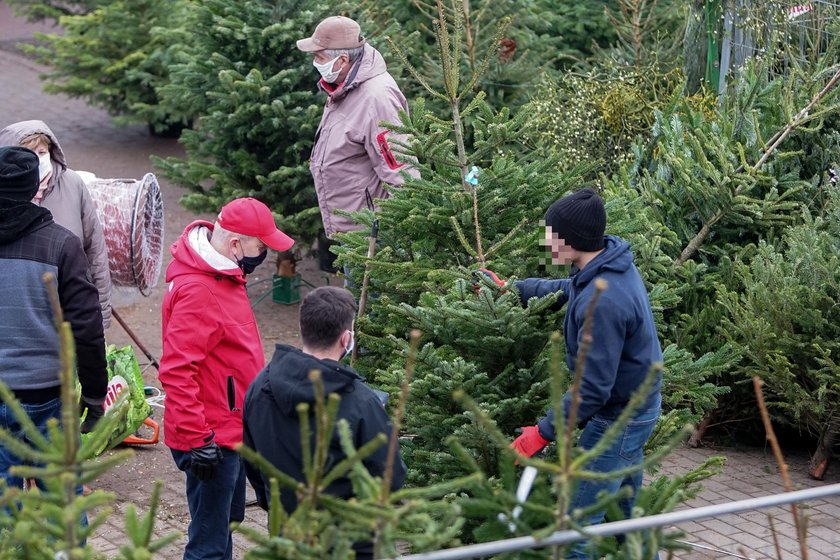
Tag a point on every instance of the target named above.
point(213, 505)
point(40, 414)
point(627, 450)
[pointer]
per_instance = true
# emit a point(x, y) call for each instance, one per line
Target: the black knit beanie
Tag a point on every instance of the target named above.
point(579, 220)
point(18, 173)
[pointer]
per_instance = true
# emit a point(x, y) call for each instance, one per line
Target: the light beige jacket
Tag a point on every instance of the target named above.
point(352, 152)
point(69, 201)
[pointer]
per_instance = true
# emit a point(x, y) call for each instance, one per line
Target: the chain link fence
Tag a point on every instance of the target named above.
point(790, 31)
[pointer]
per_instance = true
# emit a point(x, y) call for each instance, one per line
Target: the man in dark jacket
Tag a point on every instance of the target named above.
point(270, 419)
point(32, 245)
point(625, 346)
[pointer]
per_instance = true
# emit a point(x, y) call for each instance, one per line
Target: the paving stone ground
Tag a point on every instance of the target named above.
point(93, 143)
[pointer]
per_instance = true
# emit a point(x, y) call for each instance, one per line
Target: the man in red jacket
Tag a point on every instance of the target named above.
point(211, 353)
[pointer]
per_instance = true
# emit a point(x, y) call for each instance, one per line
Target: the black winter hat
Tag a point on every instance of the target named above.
point(18, 173)
point(579, 220)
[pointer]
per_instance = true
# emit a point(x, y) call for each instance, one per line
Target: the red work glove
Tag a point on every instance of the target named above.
point(530, 442)
point(489, 274)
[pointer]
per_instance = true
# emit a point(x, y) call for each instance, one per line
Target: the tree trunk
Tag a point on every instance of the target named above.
point(697, 435)
point(819, 460)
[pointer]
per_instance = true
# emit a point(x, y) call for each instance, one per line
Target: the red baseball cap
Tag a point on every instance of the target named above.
point(249, 216)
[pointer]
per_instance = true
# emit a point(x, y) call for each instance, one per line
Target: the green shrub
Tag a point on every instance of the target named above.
point(115, 56)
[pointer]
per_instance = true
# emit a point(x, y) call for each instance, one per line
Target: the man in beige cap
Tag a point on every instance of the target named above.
point(352, 159)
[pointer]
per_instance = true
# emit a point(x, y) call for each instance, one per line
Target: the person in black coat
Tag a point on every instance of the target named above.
point(271, 424)
point(32, 245)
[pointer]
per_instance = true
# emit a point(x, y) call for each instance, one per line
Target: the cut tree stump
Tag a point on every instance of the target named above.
point(697, 435)
point(821, 457)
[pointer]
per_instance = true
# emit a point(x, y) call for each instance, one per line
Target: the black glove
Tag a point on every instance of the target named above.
point(204, 461)
point(92, 413)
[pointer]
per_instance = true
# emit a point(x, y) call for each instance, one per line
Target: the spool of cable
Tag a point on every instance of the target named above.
point(131, 213)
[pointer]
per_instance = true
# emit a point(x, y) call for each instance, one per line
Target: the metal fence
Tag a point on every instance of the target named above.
point(627, 526)
point(784, 29)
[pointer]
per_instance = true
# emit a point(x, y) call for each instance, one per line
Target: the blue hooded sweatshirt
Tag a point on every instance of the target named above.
point(625, 343)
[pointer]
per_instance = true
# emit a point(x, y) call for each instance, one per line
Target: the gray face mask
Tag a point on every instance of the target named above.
point(349, 348)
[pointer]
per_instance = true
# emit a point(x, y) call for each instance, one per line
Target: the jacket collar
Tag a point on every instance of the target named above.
point(369, 65)
point(616, 257)
point(288, 377)
point(19, 218)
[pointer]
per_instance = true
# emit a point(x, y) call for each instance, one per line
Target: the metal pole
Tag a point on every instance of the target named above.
point(133, 337)
point(374, 234)
point(628, 525)
point(725, 49)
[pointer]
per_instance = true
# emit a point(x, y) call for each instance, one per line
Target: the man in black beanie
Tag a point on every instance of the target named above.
point(31, 245)
point(625, 347)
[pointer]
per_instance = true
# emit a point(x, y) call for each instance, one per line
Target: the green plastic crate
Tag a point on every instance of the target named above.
point(285, 289)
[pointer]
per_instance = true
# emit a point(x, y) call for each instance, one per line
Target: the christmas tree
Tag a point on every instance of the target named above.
point(715, 184)
point(435, 230)
point(47, 523)
point(785, 321)
point(115, 56)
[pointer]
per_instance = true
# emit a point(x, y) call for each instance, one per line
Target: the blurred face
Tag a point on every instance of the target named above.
point(41, 149)
point(561, 254)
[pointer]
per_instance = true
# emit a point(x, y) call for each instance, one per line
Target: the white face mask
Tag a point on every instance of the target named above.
point(44, 166)
point(349, 348)
point(326, 70)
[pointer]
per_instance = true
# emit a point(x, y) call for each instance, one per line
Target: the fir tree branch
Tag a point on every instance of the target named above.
point(413, 71)
point(325, 414)
point(780, 460)
point(399, 413)
point(461, 237)
point(488, 55)
point(388, 475)
point(305, 438)
point(468, 32)
point(439, 489)
point(277, 515)
point(353, 456)
point(268, 468)
point(477, 224)
point(69, 410)
point(498, 245)
point(637, 399)
point(800, 118)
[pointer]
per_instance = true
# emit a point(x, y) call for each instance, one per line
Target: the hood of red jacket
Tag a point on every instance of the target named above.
point(186, 260)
